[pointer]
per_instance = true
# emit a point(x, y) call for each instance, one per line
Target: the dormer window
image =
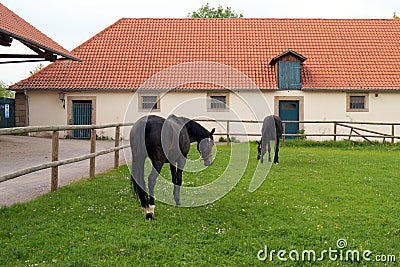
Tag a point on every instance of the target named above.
point(288, 66)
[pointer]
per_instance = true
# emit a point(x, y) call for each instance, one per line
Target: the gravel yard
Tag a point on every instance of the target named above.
point(20, 152)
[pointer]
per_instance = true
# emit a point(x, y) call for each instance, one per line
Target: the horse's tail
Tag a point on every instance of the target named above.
point(139, 154)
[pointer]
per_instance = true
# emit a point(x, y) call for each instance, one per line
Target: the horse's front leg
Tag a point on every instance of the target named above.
point(174, 174)
point(177, 180)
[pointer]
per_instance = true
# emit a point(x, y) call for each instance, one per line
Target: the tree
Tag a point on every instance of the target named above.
point(209, 12)
point(36, 69)
point(4, 92)
point(395, 16)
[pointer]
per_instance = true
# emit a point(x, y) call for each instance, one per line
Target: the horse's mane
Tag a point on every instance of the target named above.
point(195, 130)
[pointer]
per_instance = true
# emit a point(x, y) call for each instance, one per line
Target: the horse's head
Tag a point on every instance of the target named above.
point(260, 155)
point(205, 148)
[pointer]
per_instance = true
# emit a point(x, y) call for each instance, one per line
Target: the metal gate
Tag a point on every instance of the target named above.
point(7, 112)
point(81, 115)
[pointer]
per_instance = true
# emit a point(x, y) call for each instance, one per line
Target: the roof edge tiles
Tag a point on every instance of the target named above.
point(17, 28)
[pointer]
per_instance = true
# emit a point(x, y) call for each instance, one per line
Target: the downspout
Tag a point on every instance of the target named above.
point(27, 109)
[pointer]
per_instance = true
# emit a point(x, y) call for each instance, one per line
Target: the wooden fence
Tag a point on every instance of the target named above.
point(355, 131)
point(55, 162)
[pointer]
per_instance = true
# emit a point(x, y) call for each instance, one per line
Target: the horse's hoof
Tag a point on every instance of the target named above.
point(149, 216)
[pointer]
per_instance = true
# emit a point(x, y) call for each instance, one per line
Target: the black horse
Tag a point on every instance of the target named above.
point(164, 141)
point(272, 130)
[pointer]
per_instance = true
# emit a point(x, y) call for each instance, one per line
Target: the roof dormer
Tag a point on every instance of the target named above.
point(288, 68)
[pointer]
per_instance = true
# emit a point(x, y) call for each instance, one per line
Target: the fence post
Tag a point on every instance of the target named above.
point(54, 157)
point(392, 134)
point(334, 131)
point(228, 138)
point(92, 169)
point(116, 153)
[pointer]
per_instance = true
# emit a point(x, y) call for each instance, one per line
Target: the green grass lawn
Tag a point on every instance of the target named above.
point(317, 195)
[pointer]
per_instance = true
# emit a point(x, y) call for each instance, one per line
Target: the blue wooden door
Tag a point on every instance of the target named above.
point(289, 75)
point(289, 111)
point(81, 115)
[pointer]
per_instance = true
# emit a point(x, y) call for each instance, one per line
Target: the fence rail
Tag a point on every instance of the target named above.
point(334, 124)
point(355, 131)
point(55, 163)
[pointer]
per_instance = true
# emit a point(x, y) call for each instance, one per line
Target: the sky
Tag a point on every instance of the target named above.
point(72, 22)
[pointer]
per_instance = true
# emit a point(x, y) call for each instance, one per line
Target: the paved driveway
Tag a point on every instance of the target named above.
point(20, 152)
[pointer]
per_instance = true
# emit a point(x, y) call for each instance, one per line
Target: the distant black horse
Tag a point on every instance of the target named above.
point(165, 141)
point(272, 130)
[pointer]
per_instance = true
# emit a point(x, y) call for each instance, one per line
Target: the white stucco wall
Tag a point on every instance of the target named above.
point(45, 108)
point(331, 106)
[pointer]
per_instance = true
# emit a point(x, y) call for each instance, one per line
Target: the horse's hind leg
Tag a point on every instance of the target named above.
point(155, 171)
point(137, 178)
point(276, 157)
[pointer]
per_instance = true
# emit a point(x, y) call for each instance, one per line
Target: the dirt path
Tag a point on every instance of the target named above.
point(19, 152)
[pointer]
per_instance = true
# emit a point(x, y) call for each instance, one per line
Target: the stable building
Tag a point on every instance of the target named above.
point(224, 69)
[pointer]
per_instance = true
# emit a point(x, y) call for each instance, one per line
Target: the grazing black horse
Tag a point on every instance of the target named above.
point(272, 130)
point(165, 141)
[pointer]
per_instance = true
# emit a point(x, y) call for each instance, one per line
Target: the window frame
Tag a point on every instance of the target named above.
point(349, 103)
point(157, 104)
point(210, 103)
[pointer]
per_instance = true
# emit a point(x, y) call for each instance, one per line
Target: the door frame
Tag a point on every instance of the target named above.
point(300, 99)
point(69, 108)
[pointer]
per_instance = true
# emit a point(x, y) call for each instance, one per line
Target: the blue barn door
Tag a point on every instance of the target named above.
point(81, 115)
point(289, 111)
point(289, 75)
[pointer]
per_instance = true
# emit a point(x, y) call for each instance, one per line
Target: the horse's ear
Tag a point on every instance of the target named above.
point(212, 131)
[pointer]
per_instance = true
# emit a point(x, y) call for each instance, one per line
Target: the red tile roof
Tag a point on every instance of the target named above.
point(340, 54)
point(14, 26)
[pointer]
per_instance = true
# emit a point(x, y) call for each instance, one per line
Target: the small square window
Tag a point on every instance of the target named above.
point(217, 102)
point(149, 102)
point(357, 102)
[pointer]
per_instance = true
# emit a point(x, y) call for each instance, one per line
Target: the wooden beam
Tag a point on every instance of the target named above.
point(92, 167)
point(5, 40)
point(19, 56)
point(54, 158)
point(58, 163)
point(22, 61)
point(45, 54)
point(116, 144)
